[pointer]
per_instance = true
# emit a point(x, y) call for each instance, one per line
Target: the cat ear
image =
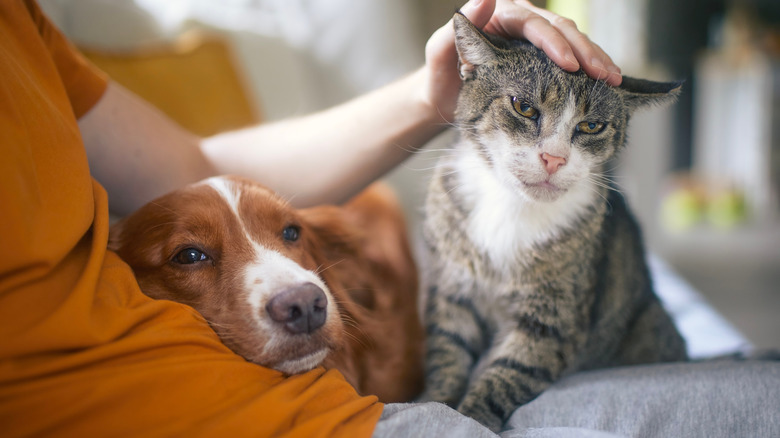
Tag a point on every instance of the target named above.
point(473, 47)
point(640, 92)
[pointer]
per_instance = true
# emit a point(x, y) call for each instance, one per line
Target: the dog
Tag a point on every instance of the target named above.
point(289, 289)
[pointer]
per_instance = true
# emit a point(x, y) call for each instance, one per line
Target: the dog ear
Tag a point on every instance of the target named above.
point(115, 235)
point(330, 228)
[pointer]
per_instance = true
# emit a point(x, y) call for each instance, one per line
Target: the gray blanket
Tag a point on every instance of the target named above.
point(722, 398)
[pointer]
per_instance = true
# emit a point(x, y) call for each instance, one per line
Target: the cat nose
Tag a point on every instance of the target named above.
point(552, 163)
point(299, 309)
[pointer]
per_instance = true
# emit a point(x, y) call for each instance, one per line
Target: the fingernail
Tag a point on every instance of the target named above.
point(596, 63)
point(571, 59)
point(615, 76)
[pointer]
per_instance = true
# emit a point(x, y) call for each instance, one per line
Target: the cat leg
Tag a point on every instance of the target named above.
point(517, 370)
point(652, 337)
point(455, 339)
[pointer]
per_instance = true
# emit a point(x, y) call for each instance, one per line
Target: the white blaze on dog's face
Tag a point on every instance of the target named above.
point(245, 260)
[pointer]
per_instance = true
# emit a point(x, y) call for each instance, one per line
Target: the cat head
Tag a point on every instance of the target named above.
point(540, 129)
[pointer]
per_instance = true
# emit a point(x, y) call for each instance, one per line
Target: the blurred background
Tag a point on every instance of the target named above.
point(703, 176)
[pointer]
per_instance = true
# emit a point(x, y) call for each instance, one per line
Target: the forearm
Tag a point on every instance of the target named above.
point(136, 152)
point(329, 156)
point(325, 157)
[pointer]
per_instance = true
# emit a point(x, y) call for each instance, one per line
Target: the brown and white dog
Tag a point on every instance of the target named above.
point(285, 288)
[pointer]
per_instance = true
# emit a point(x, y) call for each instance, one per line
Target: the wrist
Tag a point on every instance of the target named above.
point(425, 102)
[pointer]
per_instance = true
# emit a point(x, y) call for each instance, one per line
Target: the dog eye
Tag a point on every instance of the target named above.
point(525, 109)
point(189, 256)
point(291, 233)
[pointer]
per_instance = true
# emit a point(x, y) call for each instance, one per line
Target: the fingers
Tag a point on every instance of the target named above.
point(557, 36)
point(478, 11)
point(542, 34)
point(596, 63)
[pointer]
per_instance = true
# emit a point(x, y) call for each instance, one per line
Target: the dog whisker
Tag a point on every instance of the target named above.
point(320, 269)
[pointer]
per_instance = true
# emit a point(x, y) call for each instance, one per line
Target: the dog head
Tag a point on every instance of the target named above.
point(243, 258)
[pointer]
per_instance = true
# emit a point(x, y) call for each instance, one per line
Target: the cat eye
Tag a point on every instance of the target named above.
point(190, 256)
point(590, 127)
point(525, 109)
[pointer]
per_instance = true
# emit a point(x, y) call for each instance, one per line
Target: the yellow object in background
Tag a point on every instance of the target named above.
point(691, 203)
point(195, 81)
point(681, 210)
point(577, 10)
point(726, 209)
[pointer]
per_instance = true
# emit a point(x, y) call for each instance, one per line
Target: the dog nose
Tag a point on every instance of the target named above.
point(301, 308)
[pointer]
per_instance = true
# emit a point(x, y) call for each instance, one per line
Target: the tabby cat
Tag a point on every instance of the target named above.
point(537, 266)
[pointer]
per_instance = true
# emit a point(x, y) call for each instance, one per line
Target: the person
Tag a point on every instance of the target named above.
point(83, 351)
point(355, 143)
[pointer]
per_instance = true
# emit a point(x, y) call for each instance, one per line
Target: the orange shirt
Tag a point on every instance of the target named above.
point(82, 351)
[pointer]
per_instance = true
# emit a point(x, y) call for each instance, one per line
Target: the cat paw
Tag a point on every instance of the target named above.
point(481, 411)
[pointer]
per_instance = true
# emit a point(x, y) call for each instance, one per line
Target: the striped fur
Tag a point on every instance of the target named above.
point(535, 272)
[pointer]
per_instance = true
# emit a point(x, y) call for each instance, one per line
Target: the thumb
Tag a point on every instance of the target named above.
point(479, 11)
point(442, 42)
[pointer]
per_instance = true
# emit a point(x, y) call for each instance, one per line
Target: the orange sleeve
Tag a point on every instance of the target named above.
point(83, 82)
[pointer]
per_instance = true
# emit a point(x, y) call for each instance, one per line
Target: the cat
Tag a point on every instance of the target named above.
point(537, 266)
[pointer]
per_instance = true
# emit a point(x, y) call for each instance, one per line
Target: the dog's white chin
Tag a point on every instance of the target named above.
point(301, 364)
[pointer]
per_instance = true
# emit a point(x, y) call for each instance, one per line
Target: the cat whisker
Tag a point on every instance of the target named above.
point(607, 180)
point(607, 174)
point(460, 168)
point(433, 167)
point(459, 125)
point(428, 167)
point(419, 169)
point(595, 95)
point(435, 150)
point(409, 149)
point(456, 187)
point(606, 184)
point(598, 84)
point(600, 191)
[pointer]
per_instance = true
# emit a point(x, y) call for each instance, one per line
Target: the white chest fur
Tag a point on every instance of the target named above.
point(506, 225)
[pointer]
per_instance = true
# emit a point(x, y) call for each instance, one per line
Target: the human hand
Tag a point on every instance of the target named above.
point(557, 36)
